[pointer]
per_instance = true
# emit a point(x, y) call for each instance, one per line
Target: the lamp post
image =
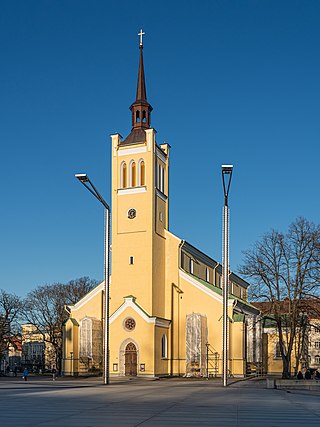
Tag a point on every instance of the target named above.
point(84, 179)
point(226, 180)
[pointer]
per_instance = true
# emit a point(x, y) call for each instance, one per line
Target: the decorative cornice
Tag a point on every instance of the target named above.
point(133, 190)
point(133, 150)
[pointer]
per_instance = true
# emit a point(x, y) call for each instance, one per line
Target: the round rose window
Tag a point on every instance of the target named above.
point(130, 324)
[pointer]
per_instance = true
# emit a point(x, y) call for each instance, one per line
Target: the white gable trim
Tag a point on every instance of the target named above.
point(129, 302)
point(87, 297)
point(203, 288)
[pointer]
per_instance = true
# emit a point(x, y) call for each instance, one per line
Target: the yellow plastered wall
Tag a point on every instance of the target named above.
point(161, 362)
point(273, 363)
point(236, 348)
point(71, 348)
point(141, 237)
point(183, 298)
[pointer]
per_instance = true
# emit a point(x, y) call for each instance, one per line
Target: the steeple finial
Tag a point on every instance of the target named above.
point(141, 34)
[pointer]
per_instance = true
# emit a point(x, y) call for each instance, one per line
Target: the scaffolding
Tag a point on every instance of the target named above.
point(90, 344)
point(196, 339)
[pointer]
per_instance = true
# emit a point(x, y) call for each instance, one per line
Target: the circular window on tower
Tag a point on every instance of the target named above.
point(129, 324)
point(132, 213)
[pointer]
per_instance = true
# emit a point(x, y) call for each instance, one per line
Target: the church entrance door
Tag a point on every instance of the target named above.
point(131, 360)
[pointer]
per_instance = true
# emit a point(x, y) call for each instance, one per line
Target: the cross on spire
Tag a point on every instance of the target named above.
point(141, 34)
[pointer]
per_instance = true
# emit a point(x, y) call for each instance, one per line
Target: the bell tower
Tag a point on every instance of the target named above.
point(140, 192)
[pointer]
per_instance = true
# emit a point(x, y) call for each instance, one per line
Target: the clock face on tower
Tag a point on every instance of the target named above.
point(132, 213)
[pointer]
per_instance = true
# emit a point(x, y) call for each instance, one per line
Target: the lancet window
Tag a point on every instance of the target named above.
point(142, 177)
point(133, 174)
point(123, 175)
point(164, 346)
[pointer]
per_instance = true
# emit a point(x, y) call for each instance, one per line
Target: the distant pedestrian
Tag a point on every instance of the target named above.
point(54, 373)
point(307, 375)
point(15, 371)
point(317, 375)
point(25, 374)
point(300, 375)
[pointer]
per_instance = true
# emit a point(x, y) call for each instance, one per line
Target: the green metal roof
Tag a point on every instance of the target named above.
point(238, 317)
point(219, 291)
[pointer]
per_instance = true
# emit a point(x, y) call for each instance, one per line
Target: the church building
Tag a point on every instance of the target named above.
point(165, 295)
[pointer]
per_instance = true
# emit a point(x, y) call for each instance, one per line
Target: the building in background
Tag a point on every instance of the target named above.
point(37, 354)
point(306, 348)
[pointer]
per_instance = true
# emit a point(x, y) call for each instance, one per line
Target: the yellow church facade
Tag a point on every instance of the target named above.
point(165, 295)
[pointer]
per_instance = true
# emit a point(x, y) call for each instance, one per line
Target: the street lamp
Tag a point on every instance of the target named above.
point(84, 179)
point(226, 180)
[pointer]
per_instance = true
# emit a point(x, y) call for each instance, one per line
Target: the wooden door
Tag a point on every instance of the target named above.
point(131, 360)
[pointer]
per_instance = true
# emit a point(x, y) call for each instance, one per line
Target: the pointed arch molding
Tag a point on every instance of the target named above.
point(132, 172)
point(123, 175)
point(122, 351)
point(130, 302)
point(141, 172)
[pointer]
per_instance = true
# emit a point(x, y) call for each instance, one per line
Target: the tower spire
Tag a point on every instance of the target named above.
point(141, 85)
point(141, 109)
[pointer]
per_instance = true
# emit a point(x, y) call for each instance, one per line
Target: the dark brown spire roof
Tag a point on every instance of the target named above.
point(140, 109)
point(141, 85)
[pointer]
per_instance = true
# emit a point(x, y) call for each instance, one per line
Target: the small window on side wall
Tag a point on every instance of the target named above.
point(191, 266)
point(164, 347)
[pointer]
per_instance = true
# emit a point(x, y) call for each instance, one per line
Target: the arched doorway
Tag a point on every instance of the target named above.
point(131, 360)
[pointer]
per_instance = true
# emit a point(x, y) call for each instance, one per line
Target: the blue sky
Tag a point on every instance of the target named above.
point(230, 82)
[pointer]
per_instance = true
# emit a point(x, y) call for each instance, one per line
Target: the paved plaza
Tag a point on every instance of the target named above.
point(169, 402)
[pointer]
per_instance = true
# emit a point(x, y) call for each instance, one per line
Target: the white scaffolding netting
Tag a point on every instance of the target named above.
point(196, 339)
point(91, 340)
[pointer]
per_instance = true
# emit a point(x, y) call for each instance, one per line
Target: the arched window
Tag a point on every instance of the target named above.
point(144, 117)
point(142, 176)
point(138, 116)
point(164, 347)
point(123, 175)
point(132, 174)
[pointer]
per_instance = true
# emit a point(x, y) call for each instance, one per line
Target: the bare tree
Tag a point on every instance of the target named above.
point(76, 289)
point(284, 271)
point(44, 309)
point(10, 309)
